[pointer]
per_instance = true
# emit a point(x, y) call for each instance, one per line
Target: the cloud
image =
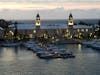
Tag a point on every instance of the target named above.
point(57, 9)
point(53, 1)
point(58, 13)
point(30, 6)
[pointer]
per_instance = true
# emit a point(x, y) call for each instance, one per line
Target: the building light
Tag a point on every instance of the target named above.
point(71, 36)
point(30, 35)
point(82, 30)
point(86, 30)
point(67, 30)
point(53, 38)
point(57, 39)
point(91, 34)
point(34, 31)
point(11, 32)
point(78, 30)
point(45, 36)
point(95, 36)
point(80, 33)
point(96, 29)
point(71, 23)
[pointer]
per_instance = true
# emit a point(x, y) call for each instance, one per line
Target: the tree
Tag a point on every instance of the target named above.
point(3, 24)
point(16, 30)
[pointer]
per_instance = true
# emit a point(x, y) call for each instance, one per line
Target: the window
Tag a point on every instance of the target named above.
point(82, 30)
point(78, 30)
point(86, 30)
point(34, 31)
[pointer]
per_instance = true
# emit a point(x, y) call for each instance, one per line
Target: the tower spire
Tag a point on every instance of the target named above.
point(38, 20)
point(70, 20)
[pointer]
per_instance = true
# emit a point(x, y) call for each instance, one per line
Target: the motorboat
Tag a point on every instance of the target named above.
point(45, 55)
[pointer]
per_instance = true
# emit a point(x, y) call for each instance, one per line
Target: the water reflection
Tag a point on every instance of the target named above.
point(79, 48)
point(7, 54)
point(19, 61)
point(16, 50)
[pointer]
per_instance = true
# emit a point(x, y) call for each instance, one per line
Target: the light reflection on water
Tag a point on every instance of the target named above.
point(79, 47)
point(7, 54)
point(20, 61)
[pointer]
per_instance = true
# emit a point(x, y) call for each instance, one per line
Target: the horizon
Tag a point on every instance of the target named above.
point(51, 19)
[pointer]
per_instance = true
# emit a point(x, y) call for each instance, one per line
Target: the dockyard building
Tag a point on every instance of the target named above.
point(69, 30)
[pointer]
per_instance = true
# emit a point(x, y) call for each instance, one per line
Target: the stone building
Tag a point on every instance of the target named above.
point(69, 30)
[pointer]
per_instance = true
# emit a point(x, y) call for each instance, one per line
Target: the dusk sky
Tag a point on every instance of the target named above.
point(49, 9)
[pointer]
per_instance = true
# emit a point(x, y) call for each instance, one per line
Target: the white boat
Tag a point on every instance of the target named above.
point(45, 55)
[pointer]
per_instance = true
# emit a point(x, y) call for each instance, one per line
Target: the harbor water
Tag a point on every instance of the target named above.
point(20, 61)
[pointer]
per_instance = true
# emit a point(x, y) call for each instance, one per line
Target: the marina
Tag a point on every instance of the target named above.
point(21, 61)
point(35, 49)
point(53, 53)
point(47, 51)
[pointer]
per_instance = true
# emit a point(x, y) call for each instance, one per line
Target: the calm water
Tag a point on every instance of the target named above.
point(20, 61)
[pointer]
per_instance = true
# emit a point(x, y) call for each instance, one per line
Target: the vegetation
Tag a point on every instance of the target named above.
point(98, 33)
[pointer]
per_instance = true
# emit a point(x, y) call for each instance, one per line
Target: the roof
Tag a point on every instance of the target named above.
point(81, 26)
point(70, 15)
point(54, 26)
point(50, 26)
point(38, 15)
point(25, 26)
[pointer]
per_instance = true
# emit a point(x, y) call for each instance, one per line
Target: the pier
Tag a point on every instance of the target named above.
point(48, 51)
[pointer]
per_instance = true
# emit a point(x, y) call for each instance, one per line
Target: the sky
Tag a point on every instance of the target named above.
point(49, 9)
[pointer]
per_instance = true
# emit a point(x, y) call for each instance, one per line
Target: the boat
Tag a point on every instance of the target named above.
point(67, 55)
point(45, 55)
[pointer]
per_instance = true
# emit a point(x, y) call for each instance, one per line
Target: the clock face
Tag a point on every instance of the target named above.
point(38, 22)
point(71, 22)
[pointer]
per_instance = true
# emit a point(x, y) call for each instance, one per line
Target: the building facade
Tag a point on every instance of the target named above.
point(69, 30)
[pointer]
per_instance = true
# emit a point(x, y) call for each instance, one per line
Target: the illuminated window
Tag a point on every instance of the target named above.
point(82, 30)
point(34, 31)
point(78, 30)
point(80, 33)
point(67, 30)
point(96, 29)
point(53, 38)
point(91, 34)
point(11, 32)
point(86, 30)
point(30, 35)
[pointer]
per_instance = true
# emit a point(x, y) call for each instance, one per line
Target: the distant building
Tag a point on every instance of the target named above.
point(69, 30)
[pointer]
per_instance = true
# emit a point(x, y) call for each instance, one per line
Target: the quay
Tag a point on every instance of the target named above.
point(47, 51)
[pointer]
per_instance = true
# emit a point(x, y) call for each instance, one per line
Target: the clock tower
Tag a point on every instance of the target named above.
point(70, 20)
point(37, 22)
